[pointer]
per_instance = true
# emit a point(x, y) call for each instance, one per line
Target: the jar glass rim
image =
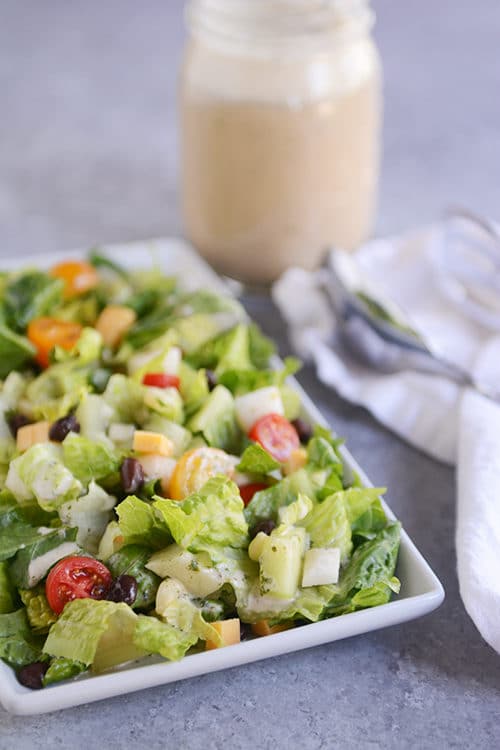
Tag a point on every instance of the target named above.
point(268, 25)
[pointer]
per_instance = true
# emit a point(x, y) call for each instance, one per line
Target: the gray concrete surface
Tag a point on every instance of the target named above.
point(88, 153)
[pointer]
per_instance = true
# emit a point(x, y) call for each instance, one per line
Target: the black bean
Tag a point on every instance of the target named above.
point(16, 421)
point(62, 427)
point(31, 675)
point(245, 631)
point(266, 526)
point(123, 589)
point(132, 475)
point(304, 429)
point(211, 379)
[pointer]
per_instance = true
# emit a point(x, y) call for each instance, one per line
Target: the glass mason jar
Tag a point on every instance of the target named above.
point(280, 128)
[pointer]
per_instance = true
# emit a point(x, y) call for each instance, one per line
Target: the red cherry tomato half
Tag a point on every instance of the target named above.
point(76, 578)
point(276, 435)
point(247, 491)
point(161, 380)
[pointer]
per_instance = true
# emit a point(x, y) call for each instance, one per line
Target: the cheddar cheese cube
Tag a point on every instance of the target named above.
point(31, 434)
point(229, 631)
point(152, 442)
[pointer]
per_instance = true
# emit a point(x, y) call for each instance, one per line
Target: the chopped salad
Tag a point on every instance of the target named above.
point(161, 492)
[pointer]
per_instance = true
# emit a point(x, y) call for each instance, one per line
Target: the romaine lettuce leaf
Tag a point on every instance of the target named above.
point(90, 514)
point(97, 633)
point(141, 524)
point(88, 460)
point(15, 351)
point(367, 525)
point(18, 646)
point(30, 295)
point(7, 590)
point(125, 397)
point(328, 525)
point(261, 347)
point(39, 474)
point(266, 503)
point(193, 388)
point(368, 578)
point(156, 637)
point(208, 520)
point(15, 531)
point(39, 613)
point(256, 460)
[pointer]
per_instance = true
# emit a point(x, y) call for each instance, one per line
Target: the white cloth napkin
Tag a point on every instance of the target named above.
point(452, 424)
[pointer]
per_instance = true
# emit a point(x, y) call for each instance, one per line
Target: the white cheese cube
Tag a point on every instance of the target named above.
point(172, 361)
point(256, 404)
point(321, 566)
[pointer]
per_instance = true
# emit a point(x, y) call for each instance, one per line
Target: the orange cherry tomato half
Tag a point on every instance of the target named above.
point(247, 491)
point(276, 435)
point(46, 333)
point(79, 277)
point(161, 380)
point(76, 578)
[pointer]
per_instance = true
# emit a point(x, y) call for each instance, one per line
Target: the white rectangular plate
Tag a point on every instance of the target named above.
point(421, 591)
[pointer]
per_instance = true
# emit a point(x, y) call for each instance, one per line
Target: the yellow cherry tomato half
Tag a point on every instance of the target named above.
point(196, 467)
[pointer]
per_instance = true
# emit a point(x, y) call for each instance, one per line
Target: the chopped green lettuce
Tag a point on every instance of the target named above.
point(242, 381)
point(90, 514)
point(266, 503)
point(7, 590)
point(40, 615)
point(40, 474)
point(15, 351)
point(167, 402)
point(30, 295)
point(88, 460)
point(193, 388)
point(18, 645)
point(19, 525)
point(156, 637)
point(328, 525)
point(368, 578)
point(208, 520)
point(125, 397)
point(141, 524)
point(97, 633)
point(256, 460)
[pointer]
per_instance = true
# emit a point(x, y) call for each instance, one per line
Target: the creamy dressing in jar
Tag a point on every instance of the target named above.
point(280, 126)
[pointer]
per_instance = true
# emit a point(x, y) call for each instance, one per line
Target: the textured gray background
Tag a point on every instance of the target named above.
point(88, 153)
